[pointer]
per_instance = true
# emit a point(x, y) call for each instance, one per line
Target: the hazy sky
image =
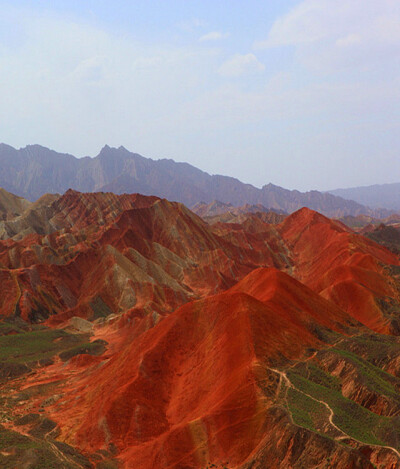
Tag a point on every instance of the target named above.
point(303, 94)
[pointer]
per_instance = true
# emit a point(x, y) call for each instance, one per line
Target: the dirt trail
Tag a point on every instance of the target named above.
point(289, 384)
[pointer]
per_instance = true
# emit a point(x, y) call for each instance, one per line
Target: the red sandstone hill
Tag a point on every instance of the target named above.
point(340, 265)
point(241, 345)
point(192, 388)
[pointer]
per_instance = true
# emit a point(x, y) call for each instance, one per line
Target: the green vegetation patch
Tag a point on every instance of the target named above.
point(21, 451)
point(27, 419)
point(387, 236)
point(375, 379)
point(10, 439)
point(318, 376)
point(100, 308)
point(23, 347)
point(353, 419)
point(31, 346)
point(303, 409)
point(377, 349)
point(92, 348)
point(7, 329)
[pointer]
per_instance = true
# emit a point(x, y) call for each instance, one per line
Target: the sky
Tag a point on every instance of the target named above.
point(301, 93)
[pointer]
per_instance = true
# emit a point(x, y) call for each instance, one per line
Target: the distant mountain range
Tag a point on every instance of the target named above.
point(378, 195)
point(33, 171)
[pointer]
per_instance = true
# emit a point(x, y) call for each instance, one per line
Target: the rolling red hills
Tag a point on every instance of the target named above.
point(197, 318)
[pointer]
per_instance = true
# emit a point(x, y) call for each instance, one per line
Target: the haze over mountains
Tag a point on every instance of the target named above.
point(377, 195)
point(33, 171)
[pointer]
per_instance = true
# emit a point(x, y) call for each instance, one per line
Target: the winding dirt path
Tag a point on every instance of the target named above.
point(283, 377)
point(331, 413)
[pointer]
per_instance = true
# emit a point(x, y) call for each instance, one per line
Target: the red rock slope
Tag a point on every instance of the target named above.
point(340, 265)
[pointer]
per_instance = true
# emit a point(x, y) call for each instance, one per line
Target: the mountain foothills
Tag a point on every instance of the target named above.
point(135, 334)
point(33, 171)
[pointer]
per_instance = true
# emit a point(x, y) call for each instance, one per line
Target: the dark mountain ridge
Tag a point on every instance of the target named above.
point(34, 170)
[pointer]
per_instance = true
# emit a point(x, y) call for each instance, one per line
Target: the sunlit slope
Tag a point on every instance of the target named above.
point(341, 265)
